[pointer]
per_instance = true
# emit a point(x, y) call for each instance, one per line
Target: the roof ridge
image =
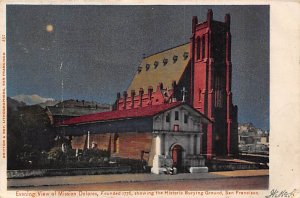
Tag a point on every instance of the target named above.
point(135, 113)
point(165, 50)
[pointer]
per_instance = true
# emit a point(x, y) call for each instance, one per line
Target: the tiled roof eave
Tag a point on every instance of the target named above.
point(108, 120)
point(136, 113)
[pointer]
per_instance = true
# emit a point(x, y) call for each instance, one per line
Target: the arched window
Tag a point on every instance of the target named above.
point(198, 48)
point(199, 96)
point(203, 46)
point(116, 143)
point(168, 117)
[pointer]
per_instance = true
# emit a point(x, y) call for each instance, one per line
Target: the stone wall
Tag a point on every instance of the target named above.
point(13, 174)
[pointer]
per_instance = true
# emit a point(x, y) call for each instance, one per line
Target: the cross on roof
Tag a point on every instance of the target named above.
point(183, 91)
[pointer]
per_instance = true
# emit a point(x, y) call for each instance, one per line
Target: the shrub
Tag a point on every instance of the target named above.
point(55, 153)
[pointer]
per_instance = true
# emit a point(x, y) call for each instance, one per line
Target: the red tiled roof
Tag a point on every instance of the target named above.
point(120, 114)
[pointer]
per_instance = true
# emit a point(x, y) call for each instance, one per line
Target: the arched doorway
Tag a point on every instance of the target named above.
point(177, 151)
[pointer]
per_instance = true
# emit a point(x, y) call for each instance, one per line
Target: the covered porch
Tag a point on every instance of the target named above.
point(180, 150)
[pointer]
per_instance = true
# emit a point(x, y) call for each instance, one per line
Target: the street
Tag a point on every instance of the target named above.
point(235, 183)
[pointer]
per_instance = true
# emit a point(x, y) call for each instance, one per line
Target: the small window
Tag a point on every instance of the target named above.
point(185, 55)
point(176, 115)
point(168, 117)
point(176, 127)
point(165, 61)
point(155, 64)
point(139, 69)
point(199, 97)
point(186, 118)
point(147, 67)
point(175, 58)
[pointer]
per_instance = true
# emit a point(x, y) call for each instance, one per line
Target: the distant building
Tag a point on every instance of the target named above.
point(74, 108)
point(252, 140)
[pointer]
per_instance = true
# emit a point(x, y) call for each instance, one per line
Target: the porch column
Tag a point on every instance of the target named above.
point(159, 144)
point(201, 142)
point(166, 145)
point(162, 144)
point(88, 140)
point(192, 144)
point(198, 146)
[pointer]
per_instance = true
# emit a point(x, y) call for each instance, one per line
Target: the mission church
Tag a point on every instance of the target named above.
point(177, 107)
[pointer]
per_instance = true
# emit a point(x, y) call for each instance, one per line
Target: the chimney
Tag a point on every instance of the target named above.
point(125, 98)
point(174, 87)
point(118, 99)
point(160, 86)
point(150, 91)
point(132, 98)
point(141, 93)
point(209, 17)
point(174, 84)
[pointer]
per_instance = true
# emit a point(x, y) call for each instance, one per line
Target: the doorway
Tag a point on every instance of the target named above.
point(177, 151)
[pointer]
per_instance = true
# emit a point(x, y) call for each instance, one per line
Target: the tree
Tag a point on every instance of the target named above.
point(28, 125)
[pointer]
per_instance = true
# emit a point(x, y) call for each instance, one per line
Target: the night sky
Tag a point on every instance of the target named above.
point(95, 50)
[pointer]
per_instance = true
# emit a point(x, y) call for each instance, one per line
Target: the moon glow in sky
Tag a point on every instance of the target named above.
point(49, 28)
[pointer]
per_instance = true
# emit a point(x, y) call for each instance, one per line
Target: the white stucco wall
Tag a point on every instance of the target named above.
point(188, 136)
point(193, 124)
point(187, 142)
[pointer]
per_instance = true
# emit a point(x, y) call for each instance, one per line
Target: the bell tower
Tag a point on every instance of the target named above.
point(211, 69)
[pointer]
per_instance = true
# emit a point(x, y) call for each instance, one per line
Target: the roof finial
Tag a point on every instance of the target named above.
point(183, 91)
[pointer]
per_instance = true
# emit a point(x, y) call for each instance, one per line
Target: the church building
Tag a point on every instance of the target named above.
point(178, 105)
point(202, 69)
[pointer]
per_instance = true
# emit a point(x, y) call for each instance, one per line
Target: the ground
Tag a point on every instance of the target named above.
point(227, 180)
point(239, 183)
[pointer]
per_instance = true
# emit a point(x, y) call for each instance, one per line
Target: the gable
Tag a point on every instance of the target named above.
point(181, 118)
point(153, 70)
point(186, 109)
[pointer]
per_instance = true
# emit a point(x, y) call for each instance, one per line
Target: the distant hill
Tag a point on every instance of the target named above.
point(32, 99)
point(14, 104)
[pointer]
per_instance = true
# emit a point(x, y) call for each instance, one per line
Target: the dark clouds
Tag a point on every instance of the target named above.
point(101, 46)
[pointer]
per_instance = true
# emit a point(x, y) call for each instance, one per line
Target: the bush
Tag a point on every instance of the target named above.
point(55, 153)
point(56, 159)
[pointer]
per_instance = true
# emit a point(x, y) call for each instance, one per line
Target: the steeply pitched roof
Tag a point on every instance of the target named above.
point(120, 114)
point(164, 72)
